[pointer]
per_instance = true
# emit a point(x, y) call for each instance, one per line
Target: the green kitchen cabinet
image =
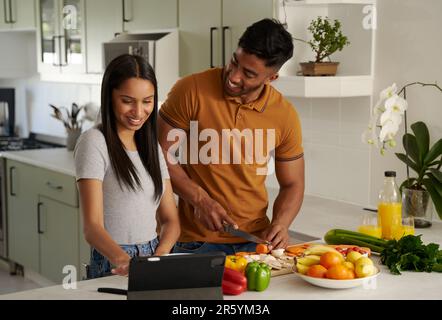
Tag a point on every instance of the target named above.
point(17, 15)
point(22, 203)
point(147, 15)
point(209, 39)
point(44, 221)
point(58, 226)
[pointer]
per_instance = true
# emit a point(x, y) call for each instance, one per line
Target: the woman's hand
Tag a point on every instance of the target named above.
point(122, 267)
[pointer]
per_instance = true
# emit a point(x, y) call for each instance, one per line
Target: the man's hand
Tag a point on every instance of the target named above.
point(278, 235)
point(212, 215)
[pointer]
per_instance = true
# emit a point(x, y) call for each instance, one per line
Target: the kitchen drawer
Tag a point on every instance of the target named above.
point(58, 186)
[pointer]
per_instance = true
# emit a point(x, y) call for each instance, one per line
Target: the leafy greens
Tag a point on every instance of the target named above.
point(410, 254)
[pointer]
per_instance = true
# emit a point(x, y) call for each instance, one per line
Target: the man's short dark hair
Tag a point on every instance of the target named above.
point(268, 40)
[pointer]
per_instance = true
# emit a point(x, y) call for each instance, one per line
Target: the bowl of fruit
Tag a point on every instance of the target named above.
point(326, 267)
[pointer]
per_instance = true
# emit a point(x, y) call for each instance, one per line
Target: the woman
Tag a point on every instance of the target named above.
point(122, 177)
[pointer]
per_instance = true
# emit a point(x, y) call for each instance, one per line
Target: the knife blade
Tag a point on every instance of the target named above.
point(245, 235)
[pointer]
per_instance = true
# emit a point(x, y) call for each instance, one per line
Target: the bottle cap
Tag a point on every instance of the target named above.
point(390, 174)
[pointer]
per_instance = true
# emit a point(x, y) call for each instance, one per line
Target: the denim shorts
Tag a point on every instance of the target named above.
point(206, 247)
point(101, 267)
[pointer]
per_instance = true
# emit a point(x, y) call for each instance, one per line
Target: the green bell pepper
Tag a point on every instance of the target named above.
point(258, 276)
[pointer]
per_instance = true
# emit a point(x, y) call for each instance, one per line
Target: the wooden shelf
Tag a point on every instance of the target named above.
point(326, 2)
point(325, 87)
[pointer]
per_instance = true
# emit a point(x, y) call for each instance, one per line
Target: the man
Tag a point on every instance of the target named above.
point(206, 111)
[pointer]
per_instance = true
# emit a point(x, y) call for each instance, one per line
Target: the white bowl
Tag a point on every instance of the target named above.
point(340, 284)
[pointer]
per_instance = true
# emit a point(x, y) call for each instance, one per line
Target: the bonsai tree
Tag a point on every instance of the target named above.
point(327, 38)
point(425, 161)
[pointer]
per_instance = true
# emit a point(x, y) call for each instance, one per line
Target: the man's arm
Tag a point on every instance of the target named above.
point(290, 176)
point(211, 214)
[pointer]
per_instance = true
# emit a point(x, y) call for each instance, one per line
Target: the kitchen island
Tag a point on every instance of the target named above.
point(408, 286)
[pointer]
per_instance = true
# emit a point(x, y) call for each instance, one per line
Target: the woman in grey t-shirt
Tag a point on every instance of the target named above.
point(122, 177)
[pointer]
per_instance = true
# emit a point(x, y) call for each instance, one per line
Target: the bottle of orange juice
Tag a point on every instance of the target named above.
point(389, 206)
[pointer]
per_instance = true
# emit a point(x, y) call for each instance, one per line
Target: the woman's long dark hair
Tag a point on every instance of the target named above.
point(118, 71)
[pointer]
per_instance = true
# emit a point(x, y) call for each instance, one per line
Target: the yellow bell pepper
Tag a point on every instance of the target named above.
point(236, 263)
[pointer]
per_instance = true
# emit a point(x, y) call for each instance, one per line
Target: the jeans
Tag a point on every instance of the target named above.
point(205, 247)
point(101, 267)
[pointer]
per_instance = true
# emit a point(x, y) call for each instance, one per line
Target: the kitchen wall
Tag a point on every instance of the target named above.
point(408, 49)
point(338, 165)
point(33, 99)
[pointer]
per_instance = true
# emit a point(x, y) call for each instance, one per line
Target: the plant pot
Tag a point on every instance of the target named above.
point(417, 204)
point(319, 68)
point(72, 138)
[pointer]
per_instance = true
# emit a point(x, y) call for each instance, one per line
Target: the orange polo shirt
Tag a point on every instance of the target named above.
point(227, 143)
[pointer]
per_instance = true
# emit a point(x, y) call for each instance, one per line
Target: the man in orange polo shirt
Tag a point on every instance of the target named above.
point(229, 122)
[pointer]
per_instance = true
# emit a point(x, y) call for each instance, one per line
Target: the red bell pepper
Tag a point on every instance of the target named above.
point(234, 282)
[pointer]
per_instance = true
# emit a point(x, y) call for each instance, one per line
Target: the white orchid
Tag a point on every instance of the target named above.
point(387, 118)
point(389, 92)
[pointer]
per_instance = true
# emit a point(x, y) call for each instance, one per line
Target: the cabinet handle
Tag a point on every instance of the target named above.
point(224, 44)
point(12, 21)
point(211, 46)
point(53, 186)
point(5, 5)
point(11, 186)
point(125, 19)
point(40, 204)
point(55, 52)
point(67, 45)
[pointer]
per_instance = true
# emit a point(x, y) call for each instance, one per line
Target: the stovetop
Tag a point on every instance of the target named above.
point(16, 144)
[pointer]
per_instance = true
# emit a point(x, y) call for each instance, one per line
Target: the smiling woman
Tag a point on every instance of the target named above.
point(122, 176)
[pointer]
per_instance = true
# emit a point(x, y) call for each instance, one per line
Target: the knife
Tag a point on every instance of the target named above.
point(245, 235)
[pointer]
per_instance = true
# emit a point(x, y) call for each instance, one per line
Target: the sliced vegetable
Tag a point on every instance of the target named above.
point(258, 276)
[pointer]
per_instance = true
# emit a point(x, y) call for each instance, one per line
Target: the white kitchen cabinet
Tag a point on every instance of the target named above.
point(102, 26)
point(145, 15)
point(210, 30)
point(17, 15)
point(61, 41)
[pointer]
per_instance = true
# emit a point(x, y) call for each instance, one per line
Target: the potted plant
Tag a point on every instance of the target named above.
point(424, 158)
point(71, 122)
point(327, 39)
point(426, 161)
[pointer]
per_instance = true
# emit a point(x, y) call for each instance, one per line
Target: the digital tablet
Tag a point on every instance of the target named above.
point(177, 277)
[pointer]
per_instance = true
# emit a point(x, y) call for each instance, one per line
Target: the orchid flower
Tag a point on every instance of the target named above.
point(387, 117)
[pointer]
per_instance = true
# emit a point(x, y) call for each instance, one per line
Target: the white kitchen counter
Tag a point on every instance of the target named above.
point(317, 216)
point(409, 285)
point(59, 160)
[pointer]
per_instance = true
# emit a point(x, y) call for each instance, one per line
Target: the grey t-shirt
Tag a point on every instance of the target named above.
point(129, 216)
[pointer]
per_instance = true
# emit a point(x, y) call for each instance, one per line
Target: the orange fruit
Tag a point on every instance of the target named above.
point(330, 259)
point(262, 248)
point(340, 272)
point(316, 271)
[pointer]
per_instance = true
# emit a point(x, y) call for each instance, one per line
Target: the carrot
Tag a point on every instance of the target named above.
point(262, 248)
